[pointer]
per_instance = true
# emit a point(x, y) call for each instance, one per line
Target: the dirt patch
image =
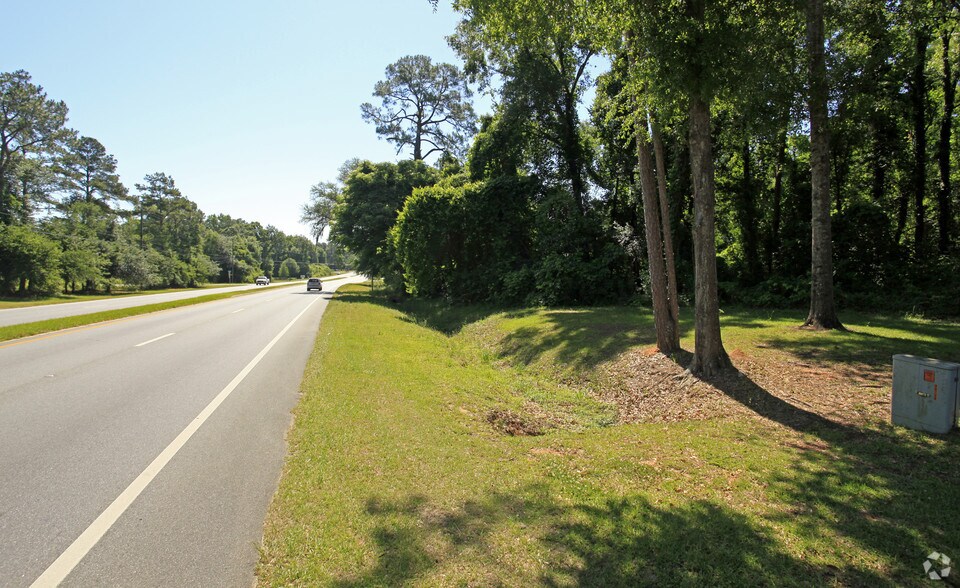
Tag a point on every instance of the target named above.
point(513, 424)
point(651, 387)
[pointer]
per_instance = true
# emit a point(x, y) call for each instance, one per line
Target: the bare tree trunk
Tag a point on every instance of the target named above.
point(25, 196)
point(823, 314)
point(903, 205)
point(667, 232)
point(748, 218)
point(878, 162)
point(774, 243)
point(667, 337)
point(944, 212)
point(918, 94)
point(709, 357)
point(418, 140)
point(572, 155)
point(6, 215)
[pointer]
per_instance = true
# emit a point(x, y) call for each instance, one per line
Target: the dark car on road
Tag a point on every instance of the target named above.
point(314, 284)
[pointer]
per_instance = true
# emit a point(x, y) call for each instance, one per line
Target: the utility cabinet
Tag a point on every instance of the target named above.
point(925, 393)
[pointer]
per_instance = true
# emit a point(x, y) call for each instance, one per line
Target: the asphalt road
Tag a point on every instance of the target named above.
point(144, 452)
point(29, 314)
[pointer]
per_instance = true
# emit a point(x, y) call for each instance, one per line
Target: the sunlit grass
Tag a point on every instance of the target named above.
point(396, 476)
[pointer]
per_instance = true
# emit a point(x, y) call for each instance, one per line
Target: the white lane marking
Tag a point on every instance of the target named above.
point(236, 311)
point(154, 340)
point(61, 568)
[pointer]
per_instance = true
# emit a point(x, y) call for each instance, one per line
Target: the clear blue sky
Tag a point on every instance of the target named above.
point(246, 104)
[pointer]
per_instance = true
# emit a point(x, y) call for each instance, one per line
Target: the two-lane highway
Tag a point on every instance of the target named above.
point(144, 452)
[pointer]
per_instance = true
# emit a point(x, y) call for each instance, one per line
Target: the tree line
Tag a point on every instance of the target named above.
point(764, 153)
point(67, 222)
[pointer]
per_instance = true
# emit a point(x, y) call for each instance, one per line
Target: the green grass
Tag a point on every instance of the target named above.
point(396, 476)
point(39, 327)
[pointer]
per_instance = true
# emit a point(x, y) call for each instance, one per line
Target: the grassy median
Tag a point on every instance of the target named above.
point(16, 302)
point(39, 327)
point(442, 446)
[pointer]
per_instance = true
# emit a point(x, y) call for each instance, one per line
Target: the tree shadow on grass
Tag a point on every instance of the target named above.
point(858, 345)
point(579, 338)
point(892, 491)
point(627, 541)
point(437, 315)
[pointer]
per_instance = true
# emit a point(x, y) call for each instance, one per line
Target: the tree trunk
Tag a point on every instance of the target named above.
point(945, 212)
point(667, 232)
point(417, 151)
point(88, 186)
point(667, 337)
point(879, 162)
point(25, 212)
point(903, 206)
point(775, 214)
point(823, 314)
point(748, 219)
point(709, 357)
point(572, 156)
point(6, 215)
point(841, 156)
point(840, 175)
point(918, 98)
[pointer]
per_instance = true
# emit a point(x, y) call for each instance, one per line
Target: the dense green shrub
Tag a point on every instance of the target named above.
point(289, 268)
point(320, 270)
point(578, 259)
point(774, 292)
point(132, 266)
point(493, 241)
point(372, 197)
point(29, 262)
point(865, 252)
point(83, 266)
point(428, 239)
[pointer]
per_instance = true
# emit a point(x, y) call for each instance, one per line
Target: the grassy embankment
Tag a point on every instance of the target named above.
point(401, 469)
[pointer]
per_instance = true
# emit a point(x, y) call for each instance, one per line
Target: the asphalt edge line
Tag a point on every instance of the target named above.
point(154, 340)
point(58, 571)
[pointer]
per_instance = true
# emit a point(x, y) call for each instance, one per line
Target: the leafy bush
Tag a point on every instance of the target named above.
point(320, 270)
point(82, 265)
point(774, 292)
point(462, 241)
point(923, 289)
point(29, 262)
point(578, 258)
point(865, 251)
point(139, 268)
point(177, 273)
point(428, 239)
point(289, 268)
point(490, 241)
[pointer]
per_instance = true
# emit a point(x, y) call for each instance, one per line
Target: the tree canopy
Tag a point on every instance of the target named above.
point(423, 106)
point(761, 153)
point(67, 222)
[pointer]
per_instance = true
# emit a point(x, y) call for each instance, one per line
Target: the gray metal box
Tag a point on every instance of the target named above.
point(924, 393)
